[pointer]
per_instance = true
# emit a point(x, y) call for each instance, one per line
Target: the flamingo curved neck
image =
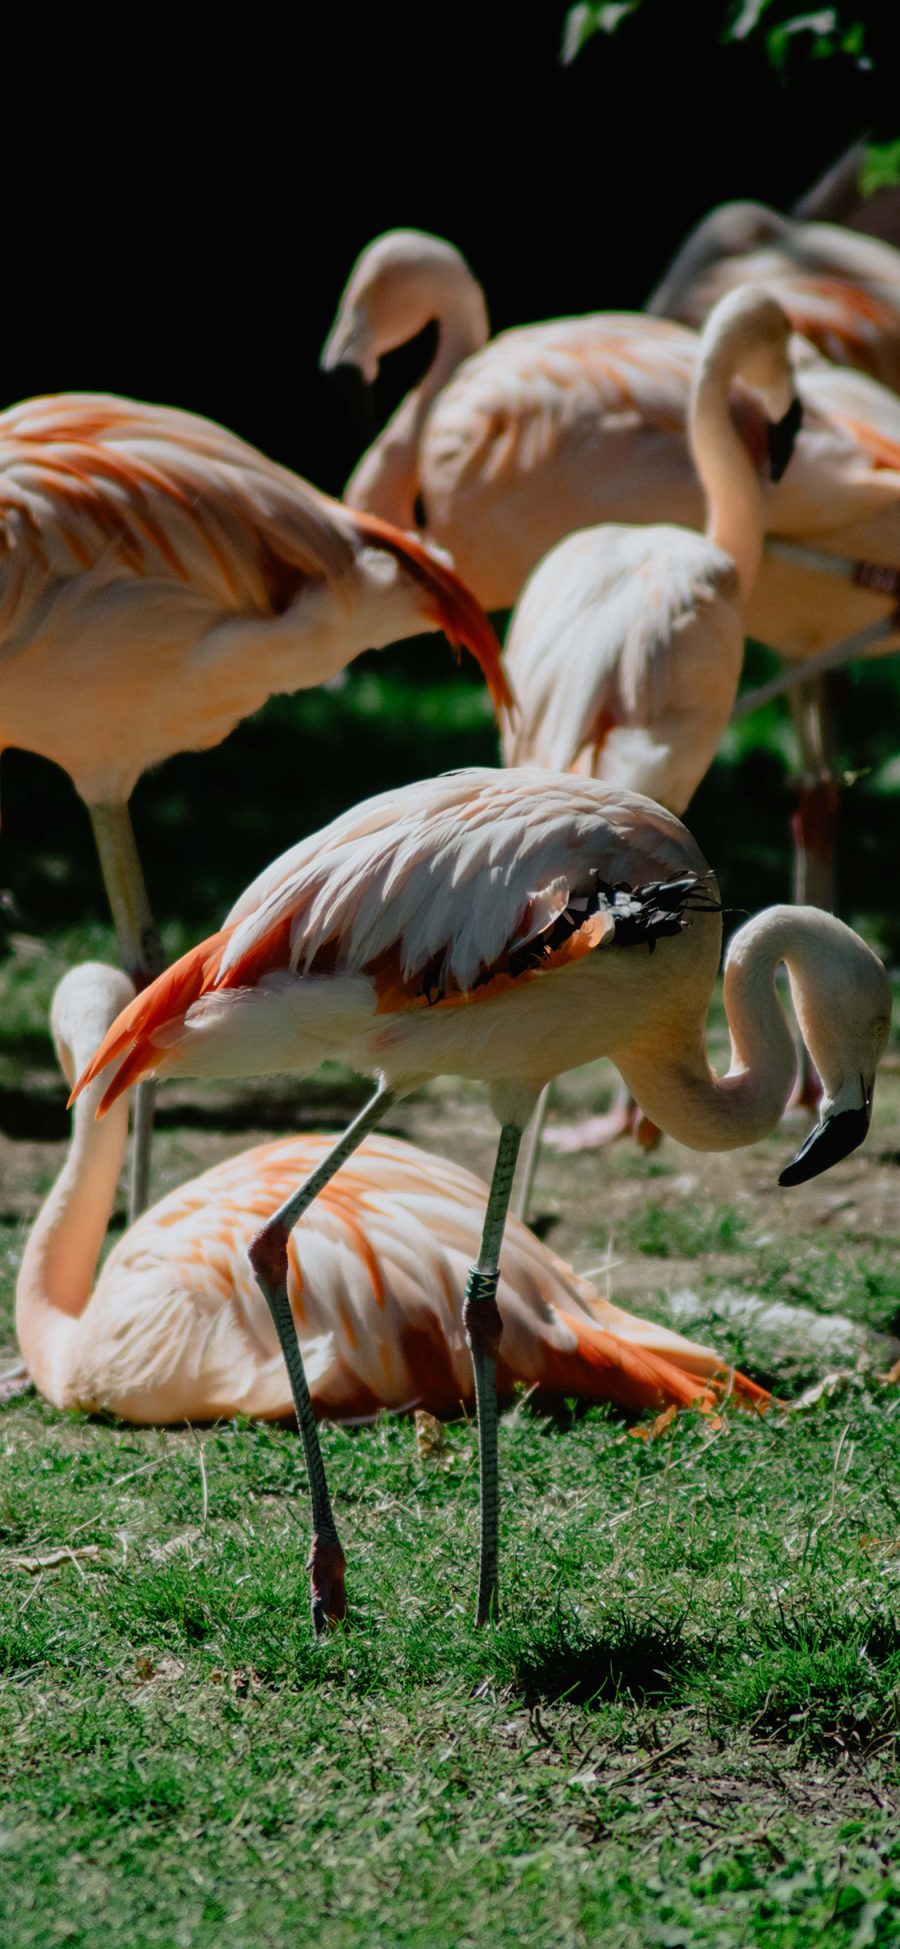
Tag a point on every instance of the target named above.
point(686, 1097)
point(60, 1260)
point(386, 479)
point(733, 498)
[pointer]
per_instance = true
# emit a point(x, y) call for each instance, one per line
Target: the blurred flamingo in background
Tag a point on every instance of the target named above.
point(626, 645)
point(504, 925)
point(176, 1327)
point(159, 579)
point(840, 290)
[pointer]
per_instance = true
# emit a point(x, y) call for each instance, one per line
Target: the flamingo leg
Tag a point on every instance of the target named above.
point(532, 1155)
point(814, 828)
point(269, 1259)
point(142, 958)
point(481, 1318)
point(815, 820)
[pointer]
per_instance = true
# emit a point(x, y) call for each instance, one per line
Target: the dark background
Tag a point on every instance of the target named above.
point(181, 206)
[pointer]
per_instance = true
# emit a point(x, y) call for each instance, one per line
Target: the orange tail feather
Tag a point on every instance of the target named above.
point(604, 1368)
point(451, 605)
point(167, 997)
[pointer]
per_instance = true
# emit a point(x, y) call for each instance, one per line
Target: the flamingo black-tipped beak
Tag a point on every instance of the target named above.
point(781, 437)
point(835, 1137)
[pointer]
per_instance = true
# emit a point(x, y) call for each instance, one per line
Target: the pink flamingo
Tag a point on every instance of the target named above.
point(159, 579)
point(841, 290)
point(626, 645)
point(175, 1328)
point(499, 925)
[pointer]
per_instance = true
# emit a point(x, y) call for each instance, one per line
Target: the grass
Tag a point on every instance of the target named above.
point(662, 1231)
point(680, 1733)
point(683, 1732)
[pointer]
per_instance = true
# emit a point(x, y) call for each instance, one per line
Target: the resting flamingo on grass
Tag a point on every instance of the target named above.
point(159, 579)
point(175, 1327)
point(504, 925)
point(625, 647)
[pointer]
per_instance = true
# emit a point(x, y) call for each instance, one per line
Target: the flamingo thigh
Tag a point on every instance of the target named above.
point(269, 1259)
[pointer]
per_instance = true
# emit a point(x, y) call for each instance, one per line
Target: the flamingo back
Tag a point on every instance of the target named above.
point(625, 650)
point(177, 1327)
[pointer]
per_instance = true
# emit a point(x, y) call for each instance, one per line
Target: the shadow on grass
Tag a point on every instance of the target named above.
point(41, 1116)
point(639, 1658)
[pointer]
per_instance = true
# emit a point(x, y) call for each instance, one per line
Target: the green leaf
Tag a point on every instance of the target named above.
point(590, 18)
point(748, 17)
point(881, 167)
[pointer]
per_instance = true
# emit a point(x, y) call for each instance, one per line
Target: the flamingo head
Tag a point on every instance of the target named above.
point(748, 337)
point(845, 1017)
point(85, 1002)
point(399, 284)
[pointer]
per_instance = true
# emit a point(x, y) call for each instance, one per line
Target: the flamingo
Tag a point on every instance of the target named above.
point(840, 289)
point(626, 644)
point(625, 647)
point(176, 1328)
point(159, 579)
point(503, 925)
point(507, 447)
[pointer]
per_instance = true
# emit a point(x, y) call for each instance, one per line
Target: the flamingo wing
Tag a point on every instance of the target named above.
point(426, 894)
point(96, 483)
point(624, 629)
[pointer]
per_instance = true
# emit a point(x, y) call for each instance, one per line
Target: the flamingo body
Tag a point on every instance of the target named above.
point(507, 925)
point(621, 455)
point(429, 931)
point(160, 578)
point(625, 650)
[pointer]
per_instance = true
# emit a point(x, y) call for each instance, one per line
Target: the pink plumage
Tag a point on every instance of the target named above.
point(174, 1325)
point(160, 578)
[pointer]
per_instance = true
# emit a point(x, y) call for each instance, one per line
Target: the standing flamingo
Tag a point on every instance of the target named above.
point(504, 448)
point(159, 579)
point(504, 925)
point(840, 289)
point(176, 1328)
point(626, 645)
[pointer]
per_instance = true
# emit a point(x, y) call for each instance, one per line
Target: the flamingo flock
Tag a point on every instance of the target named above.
point(160, 578)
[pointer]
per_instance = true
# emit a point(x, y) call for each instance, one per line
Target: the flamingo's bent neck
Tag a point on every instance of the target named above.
point(60, 1260)
point(435, 286)
point(683, 1094)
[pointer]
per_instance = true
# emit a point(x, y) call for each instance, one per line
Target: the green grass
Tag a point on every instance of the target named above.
point(682, 1734)
point(682, 1731)
point(666, 1231)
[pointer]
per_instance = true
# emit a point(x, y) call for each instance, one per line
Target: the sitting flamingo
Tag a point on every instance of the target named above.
point(175, 1327)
